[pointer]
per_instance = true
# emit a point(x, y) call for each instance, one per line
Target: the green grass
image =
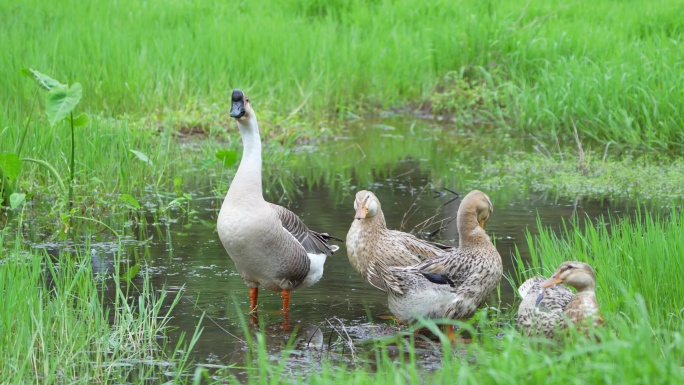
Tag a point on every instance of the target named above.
point(613, 69)
point(56, 326)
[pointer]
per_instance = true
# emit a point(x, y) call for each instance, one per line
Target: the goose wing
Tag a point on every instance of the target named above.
point(312, 241)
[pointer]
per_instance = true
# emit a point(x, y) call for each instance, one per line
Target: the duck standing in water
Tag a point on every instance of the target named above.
point(548, 307)
point(270, 245)
point(453, 285)
point(369, 241)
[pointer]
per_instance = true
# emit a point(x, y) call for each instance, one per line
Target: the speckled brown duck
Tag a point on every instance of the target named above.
point(549, 307)
point(453, 285)
point(369, 241)
point(271, 247)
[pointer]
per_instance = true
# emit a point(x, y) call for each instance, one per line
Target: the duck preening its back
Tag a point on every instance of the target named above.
point(455, 284)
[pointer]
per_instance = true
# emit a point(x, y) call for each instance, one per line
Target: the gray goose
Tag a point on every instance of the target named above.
point(547, 307)
point(454, 285)
point(369, 241)
point(270, 245)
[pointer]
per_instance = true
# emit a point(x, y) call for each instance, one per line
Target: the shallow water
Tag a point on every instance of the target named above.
point(194, 259)
point(340, 310)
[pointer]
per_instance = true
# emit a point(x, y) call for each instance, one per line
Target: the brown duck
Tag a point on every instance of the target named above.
point(548, 307)
point(455, 284)
point(369, 241)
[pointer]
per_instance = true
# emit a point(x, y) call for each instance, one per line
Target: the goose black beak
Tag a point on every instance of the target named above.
point(237, 107)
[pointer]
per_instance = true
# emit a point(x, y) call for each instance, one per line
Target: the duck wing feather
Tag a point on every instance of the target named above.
point(421, 248)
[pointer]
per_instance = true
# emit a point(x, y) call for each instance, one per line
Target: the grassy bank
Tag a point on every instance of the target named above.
point(532, 66)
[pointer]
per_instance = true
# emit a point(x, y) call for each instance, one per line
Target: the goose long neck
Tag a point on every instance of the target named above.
point(248, 176)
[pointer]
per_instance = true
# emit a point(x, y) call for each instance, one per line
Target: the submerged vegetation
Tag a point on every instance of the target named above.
point(491, 95)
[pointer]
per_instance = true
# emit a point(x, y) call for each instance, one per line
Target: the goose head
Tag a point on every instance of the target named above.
point(240, 108)
point(576, 274)
point(477, 204)
point(366, 205)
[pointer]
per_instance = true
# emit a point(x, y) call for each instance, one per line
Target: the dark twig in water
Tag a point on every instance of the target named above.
point(308, 343)
point(348, 339)
point(443, 223)
point(456, 196)
point(412, 209)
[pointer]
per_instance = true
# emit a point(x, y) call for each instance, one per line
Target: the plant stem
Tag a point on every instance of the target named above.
point(71, 171)
point(28, 122)
point(50, 168)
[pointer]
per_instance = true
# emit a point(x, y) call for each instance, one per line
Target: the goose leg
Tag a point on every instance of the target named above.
point(450, 333)
point(253, 294)
point(286, 300)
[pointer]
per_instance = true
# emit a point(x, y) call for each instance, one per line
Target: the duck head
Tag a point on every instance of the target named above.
point(366, 205)
point(240, 108)
point(576, 274)
point(478, 203)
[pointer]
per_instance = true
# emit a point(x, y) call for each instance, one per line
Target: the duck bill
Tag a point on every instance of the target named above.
point(555, 280)
point(482, 223)
point(361, 213)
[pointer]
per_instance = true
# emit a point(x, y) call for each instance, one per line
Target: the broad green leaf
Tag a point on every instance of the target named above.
point(130, 273)
point(207, 163)
point(43, 80)
point(16, 199)
point(11, 164)
point(177, 185)
point(132, 201)
point(176, 202)
point(61, 100)
point(228, 157)
point(81, 120)
point(143, 158)
point(65, 221)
